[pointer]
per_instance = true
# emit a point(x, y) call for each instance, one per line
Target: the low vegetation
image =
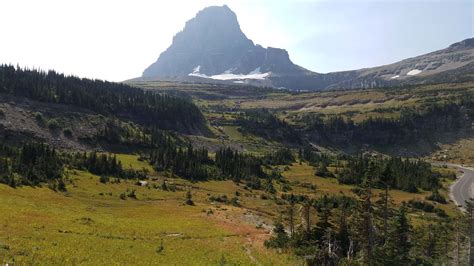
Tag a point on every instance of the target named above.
point(279, 178)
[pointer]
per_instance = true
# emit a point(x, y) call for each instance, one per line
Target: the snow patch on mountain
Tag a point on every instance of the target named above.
point(196, 69)
point(228, 75)
point(413, 72)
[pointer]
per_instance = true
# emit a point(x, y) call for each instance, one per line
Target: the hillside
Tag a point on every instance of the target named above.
point(77, 113)
point(380, 108)
point(452, 64)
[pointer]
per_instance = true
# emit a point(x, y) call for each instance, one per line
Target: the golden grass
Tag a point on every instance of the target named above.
point(90, 224)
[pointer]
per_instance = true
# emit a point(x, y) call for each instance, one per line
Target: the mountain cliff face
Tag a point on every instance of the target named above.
point(212, 45)
point(212, 48)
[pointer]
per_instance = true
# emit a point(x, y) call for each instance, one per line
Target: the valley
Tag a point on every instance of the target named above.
point(227, 152)
point(127, 187)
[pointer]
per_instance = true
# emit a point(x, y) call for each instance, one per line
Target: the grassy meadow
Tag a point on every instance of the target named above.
point(92, 224)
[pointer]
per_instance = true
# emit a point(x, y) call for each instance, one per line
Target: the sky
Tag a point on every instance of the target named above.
point(117, 39)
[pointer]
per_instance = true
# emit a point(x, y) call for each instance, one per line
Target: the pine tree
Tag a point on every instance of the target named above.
point(343, 234)
point(366, 226)
point(398, 242)
point(189, 198)
point(470, 221)
point(291, 215)
point(384, 212)
point(306, 215)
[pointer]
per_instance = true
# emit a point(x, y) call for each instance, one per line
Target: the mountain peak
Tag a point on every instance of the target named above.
point(215, 17)
point(213, 43)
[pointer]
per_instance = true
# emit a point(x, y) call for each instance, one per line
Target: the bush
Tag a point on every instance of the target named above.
point(53, 124)
point(279, 238)
point(435, 196)
point(441, 213)
point(61, 185)
point(220, 199)
point(67, 132)
point(235, 202)
point(160, 248)
point(285, 187)
point(189, 198)
point(39, 118)
point(421, 205)
point(104, 179)
point(132, 194)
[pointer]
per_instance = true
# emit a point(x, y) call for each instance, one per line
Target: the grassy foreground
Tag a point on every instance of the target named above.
point(92, 224)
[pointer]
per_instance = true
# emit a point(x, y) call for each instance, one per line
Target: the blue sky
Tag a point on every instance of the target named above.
point(117, 40)
point(327, 36)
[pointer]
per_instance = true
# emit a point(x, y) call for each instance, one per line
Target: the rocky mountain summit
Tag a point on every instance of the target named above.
point(212, 46)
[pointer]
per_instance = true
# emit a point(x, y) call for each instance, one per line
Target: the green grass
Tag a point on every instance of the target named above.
point(233, 133)
point(130, 161)
point(90, 224)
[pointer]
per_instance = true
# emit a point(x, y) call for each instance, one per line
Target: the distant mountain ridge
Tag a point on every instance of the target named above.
point(212, 48)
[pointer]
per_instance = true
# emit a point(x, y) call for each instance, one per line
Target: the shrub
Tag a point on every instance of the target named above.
point(435, 196)
point(132, 194)
point(421, 205)
point(67, 132)
point(61, 185)
point(285, 187)
point(53, 124)
point(441, 213)
point(189, 198)
point(220, 199)
point(235, 202)
point(160, 248)
point(279, 238)
point(104, 179)
point(39, 118)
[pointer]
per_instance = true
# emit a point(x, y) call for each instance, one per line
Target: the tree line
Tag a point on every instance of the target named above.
point(102, 164)
point(412, 125)
point(263, 123)
point(31, 165)
point(35, 163)
point(394, 172)
point(197, 165)
point(108, 98)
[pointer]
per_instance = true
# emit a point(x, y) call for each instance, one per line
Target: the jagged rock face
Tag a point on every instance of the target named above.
point(212, 43)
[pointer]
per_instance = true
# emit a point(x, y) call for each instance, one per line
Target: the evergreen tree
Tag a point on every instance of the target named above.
point(279, 238)
point(470, 221)
point(398, 243)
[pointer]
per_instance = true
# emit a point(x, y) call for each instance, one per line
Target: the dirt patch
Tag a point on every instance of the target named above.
point(242, 222)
